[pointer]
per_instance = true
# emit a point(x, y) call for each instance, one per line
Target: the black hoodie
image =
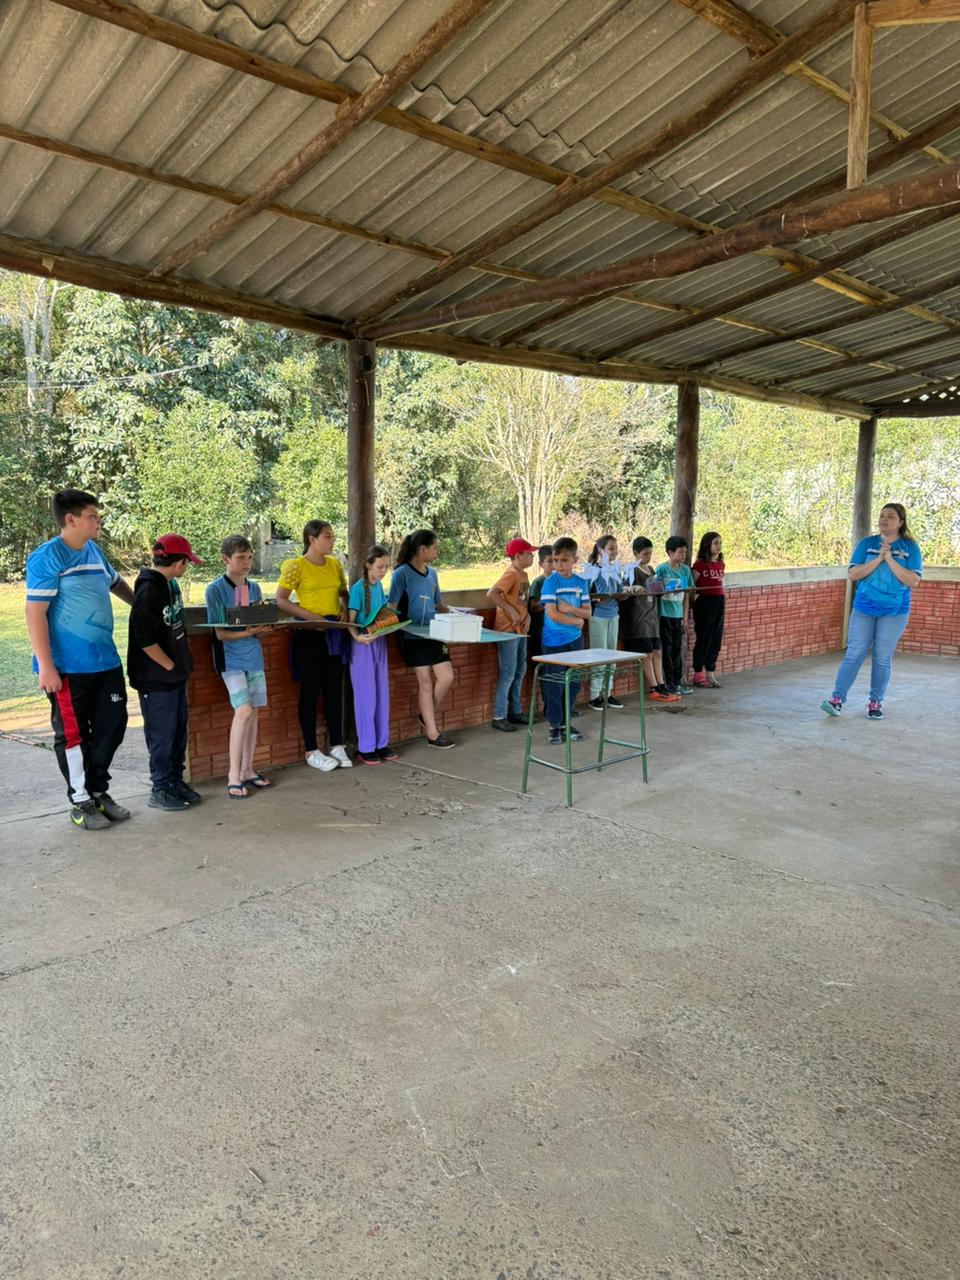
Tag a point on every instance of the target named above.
point(157, 618)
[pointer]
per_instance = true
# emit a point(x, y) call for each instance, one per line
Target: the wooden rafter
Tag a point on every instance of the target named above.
point(35, 258)
point(926, 388)
point(858, 126)
point(735, 89)
point(903, 302)
point(724, 311)
point(910, 13)
point(869, 204)
point(759, 37)
point(860, 358)
point(348, 117)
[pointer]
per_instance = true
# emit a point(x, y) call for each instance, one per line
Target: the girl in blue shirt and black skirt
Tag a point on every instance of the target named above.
point(886, 567)
point(415, 594)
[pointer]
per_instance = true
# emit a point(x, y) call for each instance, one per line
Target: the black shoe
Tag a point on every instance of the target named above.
point(595, 704)
point(615, 703)
point(556, 738)
point(168, 800)
point(387, 753)
point(109, 807)
point(186, 793)
point(517, 717)
point(369, 757)
point(87, 815)
point(503, 725)
point(441, 742)
point(576, 735)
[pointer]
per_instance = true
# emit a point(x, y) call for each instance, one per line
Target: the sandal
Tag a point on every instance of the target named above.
point(257, 780)
point(237, 791)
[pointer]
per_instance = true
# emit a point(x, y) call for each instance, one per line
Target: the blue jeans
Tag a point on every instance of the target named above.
point(512, 659)
point(863, 633)
point(551, 683)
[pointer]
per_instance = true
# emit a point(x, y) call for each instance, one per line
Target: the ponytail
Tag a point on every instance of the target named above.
point(412, 544)
point(599, 547)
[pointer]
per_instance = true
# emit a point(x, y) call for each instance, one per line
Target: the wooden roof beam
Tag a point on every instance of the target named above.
point(349, 116)
point(737, 88)
point(909, 13)
point(869, 204)
point(855, 358)
point(904, 302)
point(858, 125)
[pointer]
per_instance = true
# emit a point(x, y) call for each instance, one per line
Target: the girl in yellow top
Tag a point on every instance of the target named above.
point(318, 654)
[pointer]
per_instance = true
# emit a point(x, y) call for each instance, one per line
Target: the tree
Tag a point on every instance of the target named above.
point(547, 436)
point(310, 477)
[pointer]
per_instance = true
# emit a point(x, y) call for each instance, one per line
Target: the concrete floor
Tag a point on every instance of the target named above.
point(402, 1023)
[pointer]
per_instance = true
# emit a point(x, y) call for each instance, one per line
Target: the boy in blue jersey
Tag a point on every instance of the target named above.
point(566, 610)
point(674, 613)
point(70, 625)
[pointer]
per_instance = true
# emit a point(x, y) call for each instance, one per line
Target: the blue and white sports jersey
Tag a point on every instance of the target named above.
point(556, 590)
point(76, 585)
point(883, 594)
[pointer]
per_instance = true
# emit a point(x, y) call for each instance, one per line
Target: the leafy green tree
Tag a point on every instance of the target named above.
point(310, 477)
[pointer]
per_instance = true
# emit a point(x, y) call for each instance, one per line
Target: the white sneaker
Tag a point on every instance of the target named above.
point(340, 755)
point(317, 760)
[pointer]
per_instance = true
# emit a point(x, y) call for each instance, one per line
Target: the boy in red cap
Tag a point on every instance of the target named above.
point(158, 665)
point(510, 594)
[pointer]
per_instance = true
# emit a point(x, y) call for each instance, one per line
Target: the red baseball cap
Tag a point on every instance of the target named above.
point(171, 544)
point(517, 546)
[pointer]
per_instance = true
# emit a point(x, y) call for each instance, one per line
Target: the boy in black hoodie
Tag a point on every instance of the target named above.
point(158, 665)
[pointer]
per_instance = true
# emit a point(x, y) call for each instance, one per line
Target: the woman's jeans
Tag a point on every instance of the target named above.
point(863, 633)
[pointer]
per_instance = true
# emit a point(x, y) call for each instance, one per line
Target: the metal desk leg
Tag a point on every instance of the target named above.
point(529, 745)
point(566, 735)
point(643, 721)
point(605, 694)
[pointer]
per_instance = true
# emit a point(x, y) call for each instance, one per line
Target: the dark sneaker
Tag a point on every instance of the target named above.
point(595, 704)
point(87, 815)
point(440, 741)
point(186, 793)
point(517, 717)
point(369, 757)
point(109, 807)
point(683, 689)
point(503, 725)
point(832, 706)
point(168, 800)
point(555, 738)
point(576, 735)
point(615, 703)
point(874, 710)
point(388, 754)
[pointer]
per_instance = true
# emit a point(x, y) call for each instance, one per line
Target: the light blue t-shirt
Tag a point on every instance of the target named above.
point(573, 591)
point(414, 595)
point(672, 606)
point(76, 586)
point(606, 586)
point(232, 655)
point(882, 594)
point(357, 597)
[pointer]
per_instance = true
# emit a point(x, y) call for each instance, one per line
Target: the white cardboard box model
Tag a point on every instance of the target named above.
point(451, 627)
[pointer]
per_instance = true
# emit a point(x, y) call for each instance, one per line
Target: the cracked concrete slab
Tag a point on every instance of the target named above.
point(485, 1036)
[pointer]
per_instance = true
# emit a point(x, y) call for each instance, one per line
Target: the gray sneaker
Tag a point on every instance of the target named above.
point(109, 808)
point(87, 815)
point(168, 800)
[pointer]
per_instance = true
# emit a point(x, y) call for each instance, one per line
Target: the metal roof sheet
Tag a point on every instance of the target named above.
point(559, 82)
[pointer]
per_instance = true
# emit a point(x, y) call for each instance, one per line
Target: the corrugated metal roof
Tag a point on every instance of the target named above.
point(561, 82)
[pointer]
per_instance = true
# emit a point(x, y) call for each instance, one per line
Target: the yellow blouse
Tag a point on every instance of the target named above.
point(317, 586)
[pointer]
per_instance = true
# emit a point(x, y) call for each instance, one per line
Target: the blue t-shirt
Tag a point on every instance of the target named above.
point(76, 586)
point(672, 606)
point(356, 601)
point(882, 594)
point(414, 595)
point(604, 586)
point(559, 590)
point(232, 655)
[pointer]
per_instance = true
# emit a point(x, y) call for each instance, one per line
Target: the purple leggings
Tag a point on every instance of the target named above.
point(371, 694)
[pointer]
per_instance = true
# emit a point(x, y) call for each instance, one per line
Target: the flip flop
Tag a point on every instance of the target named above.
point(237, 791)
point(258, 781)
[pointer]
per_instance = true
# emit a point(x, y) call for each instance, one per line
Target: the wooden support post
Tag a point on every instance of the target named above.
point(686, 459)
point(863, 485)
point(862, 503)
point(858, 127)
point(361, 411)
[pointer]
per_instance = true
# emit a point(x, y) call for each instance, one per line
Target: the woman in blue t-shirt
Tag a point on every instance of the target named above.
point(886, 566)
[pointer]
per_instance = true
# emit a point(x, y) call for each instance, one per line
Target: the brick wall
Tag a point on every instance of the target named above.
point(787, 615)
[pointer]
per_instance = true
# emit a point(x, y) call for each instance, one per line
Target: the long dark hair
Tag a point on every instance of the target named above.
point(412, 544)
point(901, 511)
point(376, 552)
point(703, 551)
point(313, 529)
point(599, 547)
